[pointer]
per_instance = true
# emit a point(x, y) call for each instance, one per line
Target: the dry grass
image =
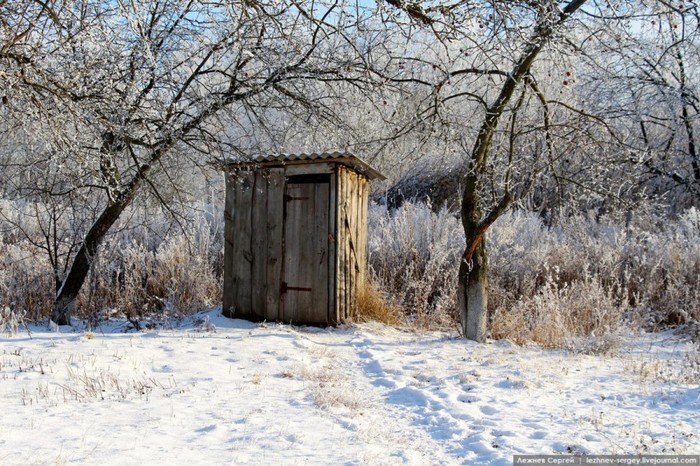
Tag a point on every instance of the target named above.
point(79, 385)
point(581, 317)
point(329, 385)
point(152, 270)
point(564, 285)
point(586, 277)
point(336, 395)
point(685, 370)
point(103, 386)
point(25, 280)
point(11, 321)
point(414, 257)
point(330, 389)
point(373, 305)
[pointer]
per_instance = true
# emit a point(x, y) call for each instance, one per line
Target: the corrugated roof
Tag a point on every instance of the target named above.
point(345, 158)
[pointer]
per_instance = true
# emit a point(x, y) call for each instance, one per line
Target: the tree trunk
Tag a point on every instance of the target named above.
point(473, 269)
point(473, 294)
point(68, 292)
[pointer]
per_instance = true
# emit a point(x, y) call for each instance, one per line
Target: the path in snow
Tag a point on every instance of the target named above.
point(275, 394)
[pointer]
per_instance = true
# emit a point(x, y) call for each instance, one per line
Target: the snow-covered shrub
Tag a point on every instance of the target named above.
point(662, 269)
point(580, 316)
point(151, 268)
point(10, 320)
point(139, 275)
point(573, 284)
point(26, 280)
point(650, 274)
point(414, 257)
point(183, 276)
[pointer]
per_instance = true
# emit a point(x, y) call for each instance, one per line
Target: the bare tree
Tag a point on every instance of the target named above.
point(646, 78)
point(120, 90)
point(487, 68)
point(117, 97)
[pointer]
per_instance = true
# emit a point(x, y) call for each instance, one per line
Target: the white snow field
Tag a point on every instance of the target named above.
point(219, 391)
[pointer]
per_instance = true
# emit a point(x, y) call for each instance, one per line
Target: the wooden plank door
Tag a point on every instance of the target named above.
point(304, 290)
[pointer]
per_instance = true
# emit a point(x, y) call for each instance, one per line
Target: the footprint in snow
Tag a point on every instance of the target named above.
point(384, 383)
point(510, 383)
point(488, 410)
point(407, 396)
point(467, 398)
point(164, 369)
point(205, 429)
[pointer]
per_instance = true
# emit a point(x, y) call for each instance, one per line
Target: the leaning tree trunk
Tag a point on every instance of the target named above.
point(68, 292)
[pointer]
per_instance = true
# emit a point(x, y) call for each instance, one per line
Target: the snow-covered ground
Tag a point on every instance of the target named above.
point(242, 393)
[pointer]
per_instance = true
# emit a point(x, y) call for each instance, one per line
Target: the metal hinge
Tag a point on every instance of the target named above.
point(284, 288)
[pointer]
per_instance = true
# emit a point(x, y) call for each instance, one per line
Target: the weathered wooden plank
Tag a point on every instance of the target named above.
point(359, 244)
point(229, 239)
point(275, 235)
point(362, 232)
point(259, 231)
point(348, 243)
point(353, 215)
point(347, 206)
point(293, 251)
point(319, 266)
point(308, 169)
point(341, 245)
point(358, 229)
point(332, 249)
point(242, 244)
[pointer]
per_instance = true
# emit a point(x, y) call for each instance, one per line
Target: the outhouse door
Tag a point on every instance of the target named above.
point(305, 270)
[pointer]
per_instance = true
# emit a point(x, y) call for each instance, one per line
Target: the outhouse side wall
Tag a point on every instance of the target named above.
point(253, 251)
point(352, 193)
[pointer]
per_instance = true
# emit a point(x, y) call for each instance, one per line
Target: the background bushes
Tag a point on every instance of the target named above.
point(585, 275)
point(161, 268)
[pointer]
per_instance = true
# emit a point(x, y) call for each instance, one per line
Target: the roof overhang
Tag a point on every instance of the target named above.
point(276, 160)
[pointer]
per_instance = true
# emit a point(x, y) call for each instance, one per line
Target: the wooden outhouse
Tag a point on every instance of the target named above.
point(296, 237)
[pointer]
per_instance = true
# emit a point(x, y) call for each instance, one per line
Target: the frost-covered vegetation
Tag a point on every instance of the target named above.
point(574, 284)
point(151, 267)
point(554, 285)
point(565, 133)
